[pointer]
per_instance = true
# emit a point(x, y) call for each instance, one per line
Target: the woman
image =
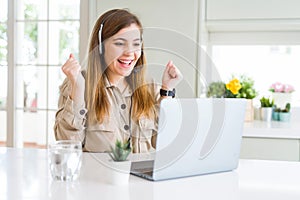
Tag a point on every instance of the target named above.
point(111, 100)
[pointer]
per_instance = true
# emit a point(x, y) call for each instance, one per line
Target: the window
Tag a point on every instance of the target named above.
point(266, 64)
point(3, 69)
point(46, 32)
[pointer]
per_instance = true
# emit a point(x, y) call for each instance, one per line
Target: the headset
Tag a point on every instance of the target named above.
point(100, 38)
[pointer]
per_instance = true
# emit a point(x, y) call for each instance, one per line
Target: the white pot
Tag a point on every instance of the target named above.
point(281, 99)
point(266, 113)
point(117, 173)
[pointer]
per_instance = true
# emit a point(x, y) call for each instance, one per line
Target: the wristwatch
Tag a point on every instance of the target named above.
point(167, 92)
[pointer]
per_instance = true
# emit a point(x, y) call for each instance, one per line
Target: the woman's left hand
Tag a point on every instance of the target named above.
point(171, 76)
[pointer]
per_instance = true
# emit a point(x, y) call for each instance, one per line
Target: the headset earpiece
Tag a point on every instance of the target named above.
point(100, 39)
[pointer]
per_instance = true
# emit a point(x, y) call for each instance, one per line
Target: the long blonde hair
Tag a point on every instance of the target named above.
point(143, 98)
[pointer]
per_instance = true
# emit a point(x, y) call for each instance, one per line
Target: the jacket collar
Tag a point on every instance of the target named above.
point(127, 91)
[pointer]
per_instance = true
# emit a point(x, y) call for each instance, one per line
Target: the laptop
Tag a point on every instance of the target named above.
point(195, 136)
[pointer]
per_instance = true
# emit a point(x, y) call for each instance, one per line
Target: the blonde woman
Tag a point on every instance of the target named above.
point(111, 99)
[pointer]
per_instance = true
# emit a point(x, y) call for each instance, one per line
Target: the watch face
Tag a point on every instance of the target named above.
point(167, 92)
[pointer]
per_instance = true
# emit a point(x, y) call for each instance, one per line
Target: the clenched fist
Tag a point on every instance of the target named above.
point(171, 76)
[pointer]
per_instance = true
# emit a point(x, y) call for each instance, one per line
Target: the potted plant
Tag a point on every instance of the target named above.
point(275, 114)
point(281, 93)
point(120, 151)
point(119, 166)
point(266, 108)
point(216, 90)
point(284, 114)
point(242, 87)
point(247, 90)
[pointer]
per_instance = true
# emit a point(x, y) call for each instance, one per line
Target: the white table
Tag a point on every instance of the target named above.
point(24, 175)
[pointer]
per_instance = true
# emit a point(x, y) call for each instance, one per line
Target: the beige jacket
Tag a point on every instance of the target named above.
point(70, 122)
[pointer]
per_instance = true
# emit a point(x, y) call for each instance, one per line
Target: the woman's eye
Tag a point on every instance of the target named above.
point(119, 44)
point(137, 44)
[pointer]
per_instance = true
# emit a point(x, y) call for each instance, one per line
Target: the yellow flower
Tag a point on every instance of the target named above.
point(234, 86)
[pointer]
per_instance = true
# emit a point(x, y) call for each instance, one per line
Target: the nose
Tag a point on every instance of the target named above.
point(130, 49)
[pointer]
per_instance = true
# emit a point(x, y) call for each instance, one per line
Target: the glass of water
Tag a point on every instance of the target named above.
point(65, 157)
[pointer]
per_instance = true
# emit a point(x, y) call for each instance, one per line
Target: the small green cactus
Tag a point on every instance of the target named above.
point(121, 151)
point(287, 108)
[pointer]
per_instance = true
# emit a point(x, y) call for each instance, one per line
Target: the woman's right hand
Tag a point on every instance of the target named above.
point(71, 69)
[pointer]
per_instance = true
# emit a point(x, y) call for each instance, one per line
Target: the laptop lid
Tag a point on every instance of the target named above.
point(198, 136)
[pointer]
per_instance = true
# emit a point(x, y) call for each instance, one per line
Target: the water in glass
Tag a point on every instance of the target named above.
point(65, 160)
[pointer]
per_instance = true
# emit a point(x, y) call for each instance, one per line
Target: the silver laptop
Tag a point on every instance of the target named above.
point(195, 136)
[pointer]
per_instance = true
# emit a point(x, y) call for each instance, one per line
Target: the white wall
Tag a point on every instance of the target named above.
point(253, 15)
point(252, 9)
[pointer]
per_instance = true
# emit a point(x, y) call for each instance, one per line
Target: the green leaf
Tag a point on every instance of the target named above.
point(121, 151)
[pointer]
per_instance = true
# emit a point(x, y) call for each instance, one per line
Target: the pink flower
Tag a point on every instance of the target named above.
point(280, 87)
point(288, 88)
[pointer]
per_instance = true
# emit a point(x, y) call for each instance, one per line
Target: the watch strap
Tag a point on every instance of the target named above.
point(167, 92)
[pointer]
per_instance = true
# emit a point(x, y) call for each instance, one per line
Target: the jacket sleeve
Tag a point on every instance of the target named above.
point(156, 88)
point(70, 119)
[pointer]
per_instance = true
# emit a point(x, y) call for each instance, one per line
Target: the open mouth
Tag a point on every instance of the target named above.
point(125, 62)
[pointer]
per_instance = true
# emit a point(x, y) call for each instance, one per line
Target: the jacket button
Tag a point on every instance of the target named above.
point(123, 106)
point(82, 112)
point(126, 127)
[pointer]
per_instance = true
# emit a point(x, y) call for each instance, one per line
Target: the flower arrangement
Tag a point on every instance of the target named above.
point(282, 88)
point(242, 87)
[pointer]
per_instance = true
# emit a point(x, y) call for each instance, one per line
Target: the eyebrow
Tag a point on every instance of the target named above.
point(123, 39)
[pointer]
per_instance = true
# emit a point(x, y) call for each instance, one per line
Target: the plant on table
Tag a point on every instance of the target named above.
point(120, 151)
point(216, 89)
point(281, 88)
point(242, 87)
point(287, 109)
point(283, 114)
point(266, 102)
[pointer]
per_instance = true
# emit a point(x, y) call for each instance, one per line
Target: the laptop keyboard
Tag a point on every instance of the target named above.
point(141, 157)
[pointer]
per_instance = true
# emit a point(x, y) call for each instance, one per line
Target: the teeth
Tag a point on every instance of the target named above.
point(125, 62)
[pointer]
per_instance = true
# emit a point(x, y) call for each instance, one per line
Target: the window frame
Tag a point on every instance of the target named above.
point(13, 138)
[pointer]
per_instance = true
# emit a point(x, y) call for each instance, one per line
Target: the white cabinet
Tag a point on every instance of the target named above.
point(270, 148)
point(271, 141)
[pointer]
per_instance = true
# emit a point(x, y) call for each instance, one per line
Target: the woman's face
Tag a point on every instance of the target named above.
point(122, 51)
